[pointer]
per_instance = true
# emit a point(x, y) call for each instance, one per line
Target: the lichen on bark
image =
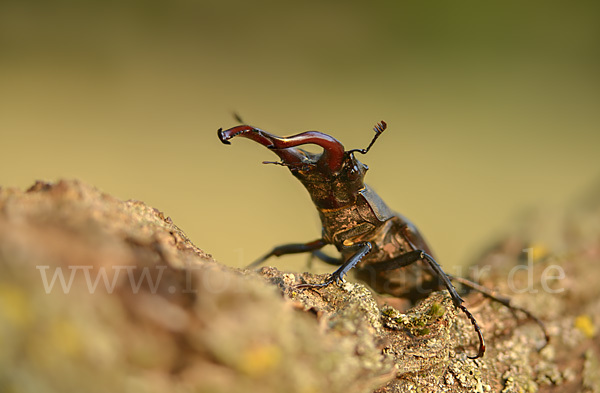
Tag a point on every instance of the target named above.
point(141, 308)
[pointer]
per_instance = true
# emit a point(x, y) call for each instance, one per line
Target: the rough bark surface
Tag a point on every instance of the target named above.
point(138, 307)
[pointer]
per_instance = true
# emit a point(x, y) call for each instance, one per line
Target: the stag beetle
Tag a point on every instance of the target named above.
point(370, 237)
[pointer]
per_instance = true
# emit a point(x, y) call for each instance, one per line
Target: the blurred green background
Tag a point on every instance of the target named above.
point(492, 107)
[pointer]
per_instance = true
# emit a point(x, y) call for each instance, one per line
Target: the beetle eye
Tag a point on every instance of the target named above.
point(354, 170)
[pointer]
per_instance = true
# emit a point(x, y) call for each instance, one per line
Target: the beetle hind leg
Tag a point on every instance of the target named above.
point(505, 301)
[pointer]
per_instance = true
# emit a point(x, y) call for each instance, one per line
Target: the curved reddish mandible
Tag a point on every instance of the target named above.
point(333, 150)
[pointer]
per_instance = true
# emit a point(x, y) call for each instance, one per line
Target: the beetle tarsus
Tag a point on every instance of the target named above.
point(481, 351)
point(324, 284)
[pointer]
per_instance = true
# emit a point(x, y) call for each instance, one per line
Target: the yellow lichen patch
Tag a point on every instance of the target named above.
point(66, 337)
point(584, 324)
point(424, 331)
point(538, 251)
point(437, 310)
point(58, 341)
point(14, 306)
point(258, 360)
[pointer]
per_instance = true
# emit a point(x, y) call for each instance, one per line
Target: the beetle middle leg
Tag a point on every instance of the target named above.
point(326, 258)
point(292, 248)
point(411, 257)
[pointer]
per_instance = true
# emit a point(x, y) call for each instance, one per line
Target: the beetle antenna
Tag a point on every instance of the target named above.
point(295, 165)
point(379, 128)
point(237, 117)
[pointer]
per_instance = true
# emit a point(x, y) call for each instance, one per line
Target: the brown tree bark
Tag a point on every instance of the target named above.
point(140, 308)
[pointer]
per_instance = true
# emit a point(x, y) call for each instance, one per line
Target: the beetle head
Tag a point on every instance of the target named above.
point(333, 178)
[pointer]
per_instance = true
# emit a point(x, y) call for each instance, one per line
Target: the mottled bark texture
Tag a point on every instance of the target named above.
point(138, 307)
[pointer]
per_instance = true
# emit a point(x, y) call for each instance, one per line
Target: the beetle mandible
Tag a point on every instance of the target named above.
point(370, 237)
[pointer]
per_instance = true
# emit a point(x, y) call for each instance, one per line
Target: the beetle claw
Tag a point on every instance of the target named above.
point(339, 280)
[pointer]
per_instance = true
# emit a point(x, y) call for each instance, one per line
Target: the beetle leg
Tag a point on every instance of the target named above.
point(415, 255)
point(505, 301)
point(338, 275)
point(457, 301)
point(411, 257)
point(293, 248)
point(326, 258)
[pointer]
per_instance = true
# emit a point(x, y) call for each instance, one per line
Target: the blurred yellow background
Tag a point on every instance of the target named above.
point(492, 107)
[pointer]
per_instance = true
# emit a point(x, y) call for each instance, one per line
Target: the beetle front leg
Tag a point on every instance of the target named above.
point(411, 257)
point(338, 275)
point(293, 248)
